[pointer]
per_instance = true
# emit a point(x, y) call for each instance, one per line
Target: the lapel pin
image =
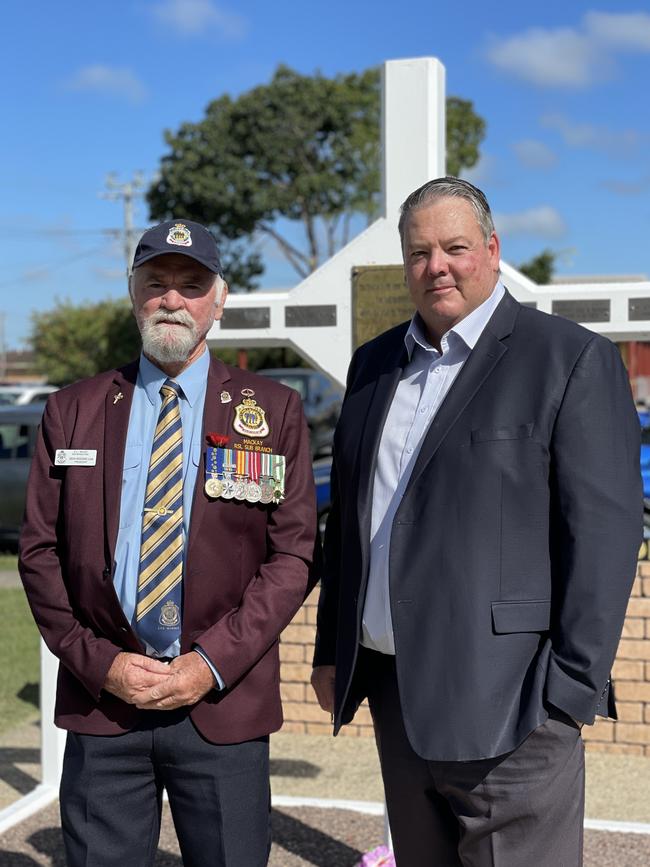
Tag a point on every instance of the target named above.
point(225, 397)
point(117, 397)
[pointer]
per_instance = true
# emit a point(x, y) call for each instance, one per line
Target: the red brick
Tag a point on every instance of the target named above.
point(638, 607)
point(630, 690)
point(629, 733)
point(603, 730)
point(615, 749)
point(292, 652)
point(626, 669)
point(295, 672)
point(292, 691)
point(634, 627)
point(301, 634)
point(631, 648)
point(629, 711)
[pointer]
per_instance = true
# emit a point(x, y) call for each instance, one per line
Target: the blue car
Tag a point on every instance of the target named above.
point(644, 419)
point(322, 469)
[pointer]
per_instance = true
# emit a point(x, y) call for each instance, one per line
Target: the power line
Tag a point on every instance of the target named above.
point(127, 191)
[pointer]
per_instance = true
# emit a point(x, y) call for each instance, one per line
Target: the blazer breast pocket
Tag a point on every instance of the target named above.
point(529, 615)
point(503, 432)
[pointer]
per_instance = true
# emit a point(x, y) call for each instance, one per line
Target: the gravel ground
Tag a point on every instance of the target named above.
point(301, 836)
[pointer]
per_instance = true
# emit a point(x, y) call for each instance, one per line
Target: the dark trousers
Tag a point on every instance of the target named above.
point(521, 809)
point(111, 796)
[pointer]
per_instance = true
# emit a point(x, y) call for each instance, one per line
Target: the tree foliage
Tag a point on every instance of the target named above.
point(300, 148)
point(75, 341)
point(540, 268)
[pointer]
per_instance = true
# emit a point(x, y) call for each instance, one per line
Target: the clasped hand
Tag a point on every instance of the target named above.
point(153, 685)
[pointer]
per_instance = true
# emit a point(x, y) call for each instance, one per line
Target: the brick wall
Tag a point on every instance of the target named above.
point(630, 735)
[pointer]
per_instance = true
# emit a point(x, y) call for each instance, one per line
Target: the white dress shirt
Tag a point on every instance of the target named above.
point(425, 381)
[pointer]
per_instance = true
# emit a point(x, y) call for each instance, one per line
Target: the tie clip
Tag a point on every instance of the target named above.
point(161, 510)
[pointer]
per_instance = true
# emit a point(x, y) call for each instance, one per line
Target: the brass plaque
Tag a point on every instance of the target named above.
point(380, 300)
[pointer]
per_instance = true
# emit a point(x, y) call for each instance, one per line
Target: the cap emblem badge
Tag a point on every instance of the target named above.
point(180, 236)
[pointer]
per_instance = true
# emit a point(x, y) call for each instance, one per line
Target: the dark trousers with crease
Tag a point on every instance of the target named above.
point(111, 796)
point(521, 809)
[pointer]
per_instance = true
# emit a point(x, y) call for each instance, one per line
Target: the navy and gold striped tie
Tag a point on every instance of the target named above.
point(159, 599)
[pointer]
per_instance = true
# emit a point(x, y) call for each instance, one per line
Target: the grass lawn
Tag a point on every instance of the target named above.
point(8, 562)
point(19, 652)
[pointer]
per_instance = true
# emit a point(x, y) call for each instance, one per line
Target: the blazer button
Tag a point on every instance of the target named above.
point(106, 574)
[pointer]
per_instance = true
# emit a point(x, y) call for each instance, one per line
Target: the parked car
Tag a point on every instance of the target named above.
point(23, 394)
point(322, 471)
point(18, 428)
point(321, 400)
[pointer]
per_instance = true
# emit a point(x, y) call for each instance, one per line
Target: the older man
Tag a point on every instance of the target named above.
point(168, 537)
point(480, 550)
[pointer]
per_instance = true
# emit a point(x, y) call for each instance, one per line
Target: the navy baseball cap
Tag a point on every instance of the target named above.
point(179, 236)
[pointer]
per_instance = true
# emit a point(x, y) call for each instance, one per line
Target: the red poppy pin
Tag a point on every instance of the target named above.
point(217, 440)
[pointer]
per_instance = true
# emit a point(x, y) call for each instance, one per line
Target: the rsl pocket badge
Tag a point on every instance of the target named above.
point(250, 419)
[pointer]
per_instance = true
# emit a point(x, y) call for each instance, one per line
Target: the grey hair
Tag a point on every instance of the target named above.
point(219, 283)
point(447, 188)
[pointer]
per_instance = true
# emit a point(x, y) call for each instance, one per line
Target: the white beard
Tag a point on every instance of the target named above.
point(169, 344)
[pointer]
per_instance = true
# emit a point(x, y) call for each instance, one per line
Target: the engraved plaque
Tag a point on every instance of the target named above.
point(310, 315)
point(638, 309)
point(246, 317)
point(583, 310)
point(380, 300)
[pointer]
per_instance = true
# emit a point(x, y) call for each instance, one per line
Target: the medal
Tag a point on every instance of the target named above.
point(250, 419)
point(228, 489)
point(253, 492)
point(214, 487)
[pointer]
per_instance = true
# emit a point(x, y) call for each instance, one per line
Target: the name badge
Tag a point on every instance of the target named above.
point(75, 457)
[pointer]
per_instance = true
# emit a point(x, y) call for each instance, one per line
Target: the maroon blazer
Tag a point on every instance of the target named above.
point(247, 567)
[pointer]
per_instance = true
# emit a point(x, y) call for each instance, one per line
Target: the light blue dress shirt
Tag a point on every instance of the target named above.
point(425, 381)
point(143, 418)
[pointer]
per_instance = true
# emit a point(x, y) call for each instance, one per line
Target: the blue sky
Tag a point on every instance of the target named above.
point(89, 88)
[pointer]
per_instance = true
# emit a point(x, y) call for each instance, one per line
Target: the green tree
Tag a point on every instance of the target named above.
point(74, 341)
point(303, 149)
point(540, 268)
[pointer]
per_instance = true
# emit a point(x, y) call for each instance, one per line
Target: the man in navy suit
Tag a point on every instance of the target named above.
point(480, 551)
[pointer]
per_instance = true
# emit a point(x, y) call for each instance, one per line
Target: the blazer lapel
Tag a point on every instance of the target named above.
point(117, 408)
point(482, 359)
point(217, 418)
point(385, 386)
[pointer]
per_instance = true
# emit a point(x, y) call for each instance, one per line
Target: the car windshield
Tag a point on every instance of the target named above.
point(299, 383)
point(645, 436)
point(9, 397)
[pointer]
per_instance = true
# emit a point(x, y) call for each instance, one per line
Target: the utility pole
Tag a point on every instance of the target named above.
point(127, 192)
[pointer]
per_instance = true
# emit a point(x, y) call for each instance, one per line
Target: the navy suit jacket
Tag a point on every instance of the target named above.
point(514, 547)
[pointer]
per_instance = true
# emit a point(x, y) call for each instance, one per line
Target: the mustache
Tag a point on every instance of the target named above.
point(178, 317)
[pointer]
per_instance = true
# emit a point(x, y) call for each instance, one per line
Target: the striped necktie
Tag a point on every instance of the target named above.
point(159, 598)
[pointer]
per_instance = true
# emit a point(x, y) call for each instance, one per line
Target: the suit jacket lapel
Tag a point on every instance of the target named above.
point(482, 360)
point(117, 408)
point(217, 417)
point(370, 434)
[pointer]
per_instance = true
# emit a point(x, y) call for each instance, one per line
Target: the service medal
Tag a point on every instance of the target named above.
point(250, 419)
point(228, 491)
point(253, 492)
point(214, 487)
point(240, 489)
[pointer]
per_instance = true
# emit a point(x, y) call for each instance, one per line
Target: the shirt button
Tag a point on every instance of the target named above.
point(423, 409)
point(436, 370)
point(409, 450)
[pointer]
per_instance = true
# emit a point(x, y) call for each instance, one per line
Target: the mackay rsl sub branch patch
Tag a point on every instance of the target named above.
point(179, 235)
point(250, 419)
point(257, 477)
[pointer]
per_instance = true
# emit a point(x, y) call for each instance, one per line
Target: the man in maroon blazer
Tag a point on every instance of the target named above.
point(168, 537)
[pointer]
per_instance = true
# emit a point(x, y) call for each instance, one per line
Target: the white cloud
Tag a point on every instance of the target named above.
point(194, 17)
point(571, 56)
point(113, 80)
point(542, 222)
point(484, 172)
point(618, 142)
point(534, 154)
point(627, 188)
point(627, 30)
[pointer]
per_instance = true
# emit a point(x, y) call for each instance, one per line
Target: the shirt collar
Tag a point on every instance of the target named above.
point(192, 380)
point(468, 329)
